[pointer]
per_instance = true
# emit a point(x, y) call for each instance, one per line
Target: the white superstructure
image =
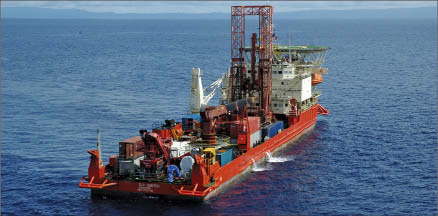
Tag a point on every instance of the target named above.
point(291, 76)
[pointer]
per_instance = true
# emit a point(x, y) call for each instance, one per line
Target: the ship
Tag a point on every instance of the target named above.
point(268, 99)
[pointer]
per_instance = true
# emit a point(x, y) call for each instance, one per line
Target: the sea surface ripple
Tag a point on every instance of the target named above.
point(62, 79)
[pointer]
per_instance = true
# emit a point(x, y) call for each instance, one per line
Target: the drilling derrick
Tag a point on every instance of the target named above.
point(259, 82)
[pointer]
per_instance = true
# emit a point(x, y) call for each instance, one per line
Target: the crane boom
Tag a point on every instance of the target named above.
point(197, 99)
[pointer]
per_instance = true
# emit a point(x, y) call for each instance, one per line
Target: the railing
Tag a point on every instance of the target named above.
point(194, 191)
point(92, 185)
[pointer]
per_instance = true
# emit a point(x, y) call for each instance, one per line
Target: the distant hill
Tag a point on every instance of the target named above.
point(400, 13)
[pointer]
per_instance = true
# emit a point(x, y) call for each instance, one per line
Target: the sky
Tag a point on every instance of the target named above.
point(123, 7)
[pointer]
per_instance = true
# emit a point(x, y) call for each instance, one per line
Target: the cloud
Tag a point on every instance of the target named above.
point(211, 6)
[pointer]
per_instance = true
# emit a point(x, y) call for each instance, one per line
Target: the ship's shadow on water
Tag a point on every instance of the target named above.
point(146, 206)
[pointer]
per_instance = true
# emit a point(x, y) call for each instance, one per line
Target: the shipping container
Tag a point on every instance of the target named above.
point(129, 148)
point(224, 156)
point(272, 129)
point(255, 138)
point(253, 123)
point(245, 144)
point(244, 126)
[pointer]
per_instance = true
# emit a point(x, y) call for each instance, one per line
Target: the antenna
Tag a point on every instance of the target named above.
point(98, 146)
point(290, 60)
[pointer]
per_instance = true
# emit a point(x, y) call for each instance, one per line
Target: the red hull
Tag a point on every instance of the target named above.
point(223, 176)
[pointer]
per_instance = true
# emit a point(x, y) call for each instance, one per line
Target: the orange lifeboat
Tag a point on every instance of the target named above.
point(316, 79)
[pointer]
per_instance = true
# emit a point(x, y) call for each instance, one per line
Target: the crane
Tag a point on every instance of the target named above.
point(197, 99)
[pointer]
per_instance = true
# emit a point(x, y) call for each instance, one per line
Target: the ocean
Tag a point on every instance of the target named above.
point(374, 154)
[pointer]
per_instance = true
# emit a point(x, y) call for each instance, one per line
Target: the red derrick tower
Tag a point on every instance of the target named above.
point(260, 79)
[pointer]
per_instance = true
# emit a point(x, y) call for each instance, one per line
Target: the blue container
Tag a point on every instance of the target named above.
point(264, 132)
point(195, 117)
point(185, 121)
point(272, 129)
point(224, 156)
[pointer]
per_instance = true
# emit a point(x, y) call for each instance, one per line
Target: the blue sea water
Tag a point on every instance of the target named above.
point(374, 154)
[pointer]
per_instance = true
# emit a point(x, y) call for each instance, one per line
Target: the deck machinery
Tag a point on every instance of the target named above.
point(268, 99)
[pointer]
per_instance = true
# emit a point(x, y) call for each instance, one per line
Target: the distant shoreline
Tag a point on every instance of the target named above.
point(45, 13)
point(227, 20)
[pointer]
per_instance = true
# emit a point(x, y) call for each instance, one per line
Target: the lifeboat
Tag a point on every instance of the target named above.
point(316, 79)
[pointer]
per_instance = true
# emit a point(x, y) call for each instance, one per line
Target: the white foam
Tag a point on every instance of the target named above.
point(271, 159)
point(259, 169)
point(281, 159)
point(255, 168)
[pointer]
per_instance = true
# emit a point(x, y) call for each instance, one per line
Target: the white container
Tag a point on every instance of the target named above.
point(255, 138)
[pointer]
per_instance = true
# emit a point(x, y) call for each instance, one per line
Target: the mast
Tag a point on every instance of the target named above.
point(98, 147)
